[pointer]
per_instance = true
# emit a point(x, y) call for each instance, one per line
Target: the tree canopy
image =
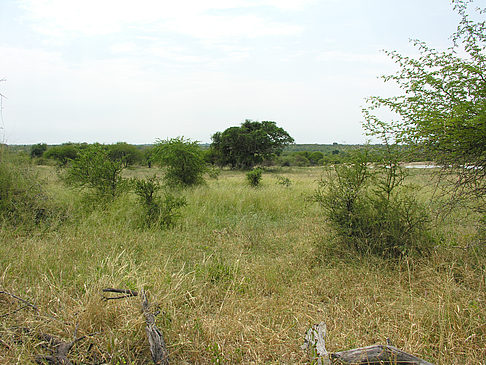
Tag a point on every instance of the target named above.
point(95, 170)
point(37, 150)
point(442, 109)
point(128, 154)
point(183, 159)
point(249, 144)
point(62, 153)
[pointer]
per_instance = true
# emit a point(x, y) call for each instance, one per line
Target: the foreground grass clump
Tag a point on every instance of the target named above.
point(162, 212)
point(239, 279)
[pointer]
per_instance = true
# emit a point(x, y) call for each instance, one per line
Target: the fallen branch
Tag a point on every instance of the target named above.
point(377, 354)
point(128, 293)
point(371, 355)
point(158, 349)
point(19, 299)
point(6, 345)
point(60, 349)
point(14, 311)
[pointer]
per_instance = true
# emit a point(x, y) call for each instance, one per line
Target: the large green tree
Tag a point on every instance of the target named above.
point(249, 144)
point(442, 109)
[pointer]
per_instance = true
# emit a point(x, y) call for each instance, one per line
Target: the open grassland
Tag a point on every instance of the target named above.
point(240, 279)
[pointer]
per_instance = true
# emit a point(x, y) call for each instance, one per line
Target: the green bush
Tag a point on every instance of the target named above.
point(126, 153)
point(285, 181)
point(62, 153)
point(254, 177)
point(301, 160)
point(183, 159)
point(373, 212)
point(23, 199)
point(170, 206)
point(94, 169)
point(315, 157)
point(214, 172)
point(157, 211)
point(37, 150)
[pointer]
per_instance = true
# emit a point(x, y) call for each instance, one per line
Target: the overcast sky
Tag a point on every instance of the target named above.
point(135, 71)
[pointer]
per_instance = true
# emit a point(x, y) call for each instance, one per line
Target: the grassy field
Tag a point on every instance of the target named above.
point(240, 279)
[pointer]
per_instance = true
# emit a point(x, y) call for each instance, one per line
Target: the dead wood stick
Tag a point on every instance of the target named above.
point(121, 291)
point(316, 345)
point(376, 355)
point(3, 343)
point(19, 299)
point(14, 311)
point(128, 293)
point(158, 349)
point(60, 349)
point(371, 355)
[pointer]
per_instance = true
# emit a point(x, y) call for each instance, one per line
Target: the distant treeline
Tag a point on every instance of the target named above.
point(292, 155)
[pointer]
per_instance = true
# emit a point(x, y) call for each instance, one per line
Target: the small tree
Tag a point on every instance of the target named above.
point(254, 177)
point(62, 154)
point(95, 170)
point(442, 109)
point(184, 161)
point(162, 212)
point(128, 154)
point(300, 159)
point(37, 150)
point(148, 156)
point(316, 157)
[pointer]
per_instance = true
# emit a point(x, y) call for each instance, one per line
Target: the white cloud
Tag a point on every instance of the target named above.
point(125, 47)
point(362, 58)
point(63, 18)
point(211, 27)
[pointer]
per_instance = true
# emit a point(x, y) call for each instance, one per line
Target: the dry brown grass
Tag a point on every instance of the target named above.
point(239, 280)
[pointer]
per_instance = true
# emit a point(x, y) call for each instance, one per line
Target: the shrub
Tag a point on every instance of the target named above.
point(23, 199)
point(184, 161)
point(374, 213)
point(214, 172)
point(285, 181)
point(93, 169)
point(37, 150)
point(62, 154)
point(301, 160)
point(126, 153)
point(170, 206)
point(254, 177)
point(315, 157)
point(148, 155)
point(157, 211)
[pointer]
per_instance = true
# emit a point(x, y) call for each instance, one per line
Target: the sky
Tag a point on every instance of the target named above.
point(137, 71)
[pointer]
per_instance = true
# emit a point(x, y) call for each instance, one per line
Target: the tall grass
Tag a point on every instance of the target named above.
point(239, 279)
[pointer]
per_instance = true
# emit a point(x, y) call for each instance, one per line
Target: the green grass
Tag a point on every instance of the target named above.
point(240, 279)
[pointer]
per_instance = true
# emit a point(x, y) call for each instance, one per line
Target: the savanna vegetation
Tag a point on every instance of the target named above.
point(238, 273)
point(239, 263)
